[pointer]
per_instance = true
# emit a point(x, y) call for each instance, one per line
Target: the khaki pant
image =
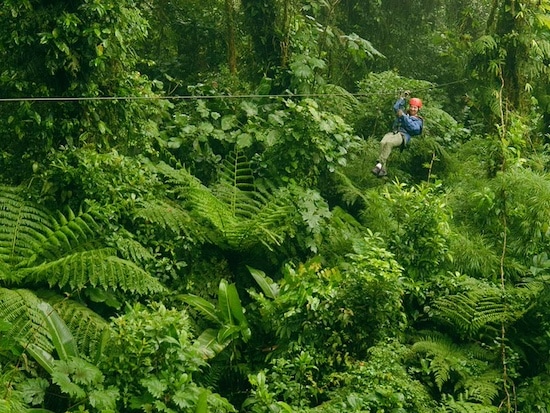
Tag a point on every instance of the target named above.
point(388, 142)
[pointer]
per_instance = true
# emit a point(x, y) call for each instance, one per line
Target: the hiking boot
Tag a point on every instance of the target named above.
point(376, 170)
point(382, 173)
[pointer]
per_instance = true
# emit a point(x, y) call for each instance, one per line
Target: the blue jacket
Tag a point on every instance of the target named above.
point(406, 124)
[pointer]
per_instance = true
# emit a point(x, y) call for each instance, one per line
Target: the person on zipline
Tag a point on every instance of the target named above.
point(406, 124)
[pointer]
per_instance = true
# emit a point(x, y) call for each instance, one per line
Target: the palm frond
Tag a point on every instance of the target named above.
point(96, 268)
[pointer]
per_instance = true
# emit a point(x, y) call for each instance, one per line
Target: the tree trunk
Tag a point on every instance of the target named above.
point(231, 44)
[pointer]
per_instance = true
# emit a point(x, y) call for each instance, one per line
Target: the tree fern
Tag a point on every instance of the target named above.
point(243, 213)
point(61, 251)
point(66, 252)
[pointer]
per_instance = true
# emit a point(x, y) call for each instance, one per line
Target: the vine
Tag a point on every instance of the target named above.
point(504, 355)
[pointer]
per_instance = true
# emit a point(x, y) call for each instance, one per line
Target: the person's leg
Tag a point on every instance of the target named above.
point(388, 142)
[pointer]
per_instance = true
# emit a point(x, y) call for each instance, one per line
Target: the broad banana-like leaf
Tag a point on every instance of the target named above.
point(235, 304)
point(42, 357)
point(224, 303)
point(62, 338)
point(205, 307)
point(208, 343)
point(269, 288)
point(225, 333)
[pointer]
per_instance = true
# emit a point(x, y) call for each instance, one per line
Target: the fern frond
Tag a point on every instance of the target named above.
point(477, 305)
point(72, 233)
point(14, 404)
point(96, 268)
point(22, 226)
point(129, 248)
point(484, 44)
point(6, 273)
point(484, 388)
point(460, 406)
point(180, 178)
point(237, 174)
point(471, 311)
point(349, 191)
point(446, 357)
point(20, 309)
point(170, 216)
point(245, 213)
point(29, 233)
point(242, 212)
point(340, 100)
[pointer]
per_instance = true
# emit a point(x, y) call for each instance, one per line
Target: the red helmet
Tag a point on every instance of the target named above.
point(415, 102)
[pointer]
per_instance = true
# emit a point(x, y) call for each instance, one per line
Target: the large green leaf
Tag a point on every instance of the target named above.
point(62, 338)
point(226, 332)
point(202, 402)
point(208, 344)
point(41, 356)
point(224, 303)
point(269, 288)
point(205, 307)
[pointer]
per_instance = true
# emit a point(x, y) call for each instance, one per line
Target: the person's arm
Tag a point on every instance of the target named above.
point(398, 106)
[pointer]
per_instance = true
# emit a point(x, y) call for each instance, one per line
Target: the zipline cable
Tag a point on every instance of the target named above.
point(204, 97)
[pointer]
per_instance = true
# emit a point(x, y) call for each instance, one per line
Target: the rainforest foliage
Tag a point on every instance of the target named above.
point(189, 223)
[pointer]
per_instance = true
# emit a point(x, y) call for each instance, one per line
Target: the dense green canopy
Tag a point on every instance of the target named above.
point(189, 222)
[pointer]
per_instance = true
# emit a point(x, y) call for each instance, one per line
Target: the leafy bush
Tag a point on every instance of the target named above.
point(416, 226)
point(321, 319)
point(151, 359)
point(379, 383)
